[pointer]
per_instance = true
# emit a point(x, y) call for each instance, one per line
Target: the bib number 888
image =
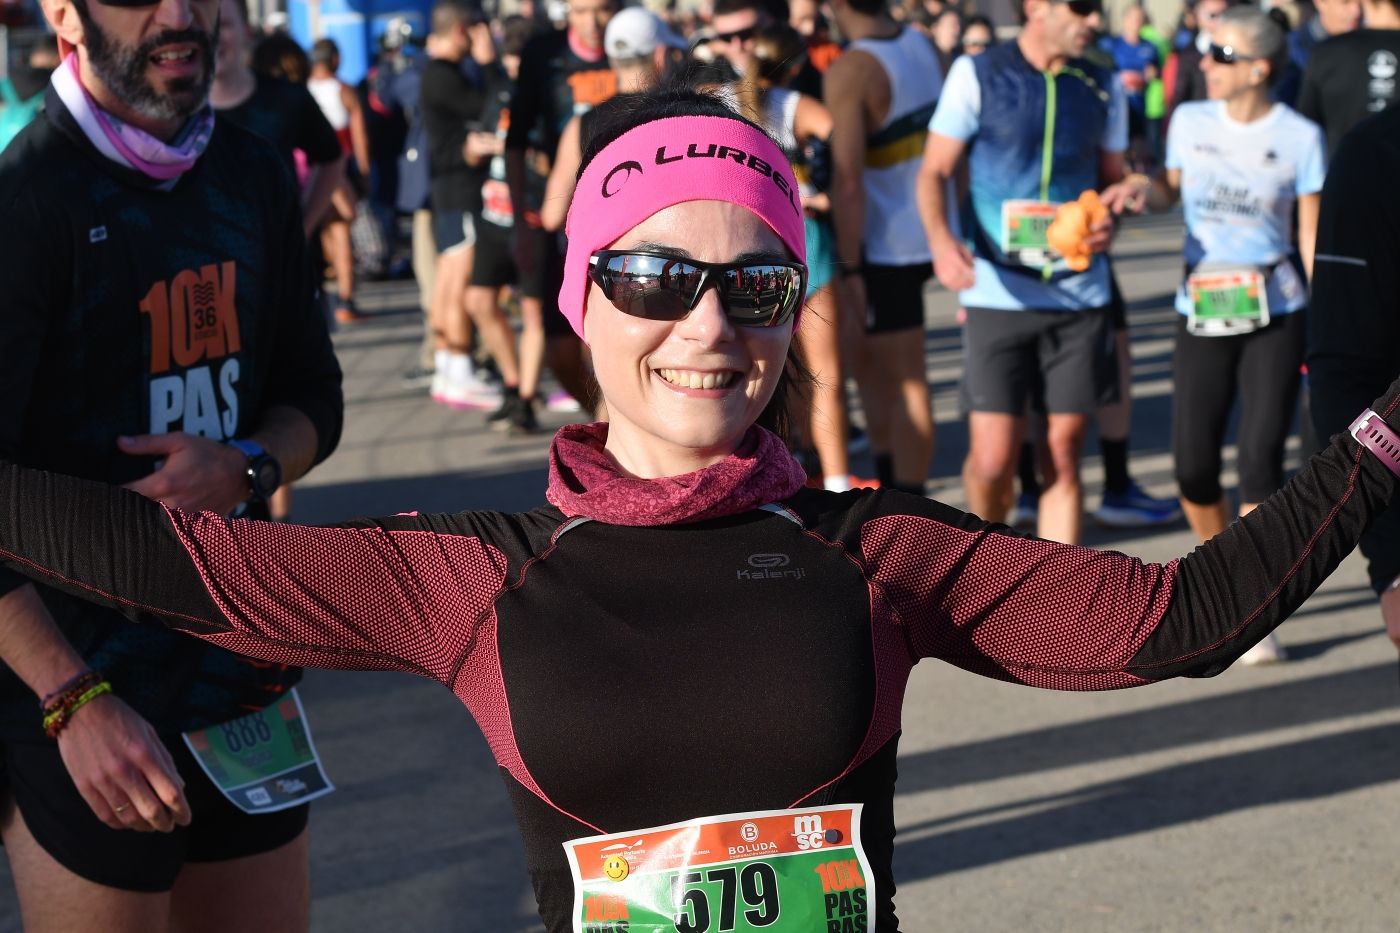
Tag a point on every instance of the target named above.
point(246, 732)
point(757, 884)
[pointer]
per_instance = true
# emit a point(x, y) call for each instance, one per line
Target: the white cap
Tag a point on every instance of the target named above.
point(635, 32)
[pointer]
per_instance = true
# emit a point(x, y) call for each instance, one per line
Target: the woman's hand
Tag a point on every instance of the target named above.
point(122, 769)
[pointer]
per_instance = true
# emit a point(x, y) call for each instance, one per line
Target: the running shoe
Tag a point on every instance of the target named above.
point(1135, 509)
point(509, 400)
point(472, 394)
point(522, 420)
point(347, 313)
point(1025, 514)
point(559, 400)
point(1268, 651)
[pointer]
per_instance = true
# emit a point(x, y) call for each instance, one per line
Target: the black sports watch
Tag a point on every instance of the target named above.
point(264, 472)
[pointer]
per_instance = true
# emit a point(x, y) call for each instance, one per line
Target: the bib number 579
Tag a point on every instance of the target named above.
point(756, 884)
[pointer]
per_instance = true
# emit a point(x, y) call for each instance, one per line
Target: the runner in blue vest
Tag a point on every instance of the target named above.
point(1038, 125)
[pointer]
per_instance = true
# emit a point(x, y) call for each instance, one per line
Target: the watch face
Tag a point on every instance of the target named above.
point(267, 477)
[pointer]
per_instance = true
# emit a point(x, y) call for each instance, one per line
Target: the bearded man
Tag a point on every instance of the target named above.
point(160, 331)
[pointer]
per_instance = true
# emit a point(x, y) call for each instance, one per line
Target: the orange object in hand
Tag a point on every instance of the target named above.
point(1074, 220)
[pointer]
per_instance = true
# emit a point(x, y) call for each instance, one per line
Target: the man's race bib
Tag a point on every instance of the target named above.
point(1023, 232)
point(265, 761)
point(780, 871)
point(1226, 302)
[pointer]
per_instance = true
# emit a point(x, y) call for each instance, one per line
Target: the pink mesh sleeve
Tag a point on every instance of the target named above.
point(366, 598)
point(1033, 612)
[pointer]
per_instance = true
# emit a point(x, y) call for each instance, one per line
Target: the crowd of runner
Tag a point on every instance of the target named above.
point(929, 147)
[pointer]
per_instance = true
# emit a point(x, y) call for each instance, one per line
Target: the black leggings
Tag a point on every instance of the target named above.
point(1263, 367)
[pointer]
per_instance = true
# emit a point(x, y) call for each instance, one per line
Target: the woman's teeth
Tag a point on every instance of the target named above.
point(689, 379)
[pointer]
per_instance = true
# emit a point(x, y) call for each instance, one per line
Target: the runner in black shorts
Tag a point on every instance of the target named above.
point(161, 333)
point(562, 74)
point(494, 267)
point(880, 93)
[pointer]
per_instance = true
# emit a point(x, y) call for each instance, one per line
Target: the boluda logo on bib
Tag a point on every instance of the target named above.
point(194, 342)
point(618, 176)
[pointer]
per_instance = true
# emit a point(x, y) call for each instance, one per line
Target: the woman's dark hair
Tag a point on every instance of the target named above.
point(280, 56)
point(611, 119)
point(980, 20)
point(515, 32)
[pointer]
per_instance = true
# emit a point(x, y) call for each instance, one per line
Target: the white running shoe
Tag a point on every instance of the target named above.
point(559, 400)
point(471, 394)
point(1268, 651)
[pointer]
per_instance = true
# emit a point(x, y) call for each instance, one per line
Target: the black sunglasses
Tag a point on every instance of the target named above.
point(1084, 7)
point(1227, 55)
point(662, 287)
point(743, 35)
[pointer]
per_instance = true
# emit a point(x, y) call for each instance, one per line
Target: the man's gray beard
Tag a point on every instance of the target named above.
point(123, 70)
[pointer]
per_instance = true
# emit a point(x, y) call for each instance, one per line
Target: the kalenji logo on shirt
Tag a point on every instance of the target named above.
point(767, 567)
point(194, 340)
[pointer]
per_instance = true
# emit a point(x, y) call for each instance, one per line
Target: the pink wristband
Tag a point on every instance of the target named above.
point(1371, 432)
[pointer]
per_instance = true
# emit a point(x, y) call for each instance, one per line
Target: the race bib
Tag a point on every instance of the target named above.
point(1023, 232)
point(1226, 302)
point(265, 761)
point(780, 871)
point(496, 206)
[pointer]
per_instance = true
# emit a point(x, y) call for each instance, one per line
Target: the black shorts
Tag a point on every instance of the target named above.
point(894, 296)
point(453, 230)
point(493, 266)
point(61, 822)
point(544, 280)
point(1063, 361)
point(1117, 307)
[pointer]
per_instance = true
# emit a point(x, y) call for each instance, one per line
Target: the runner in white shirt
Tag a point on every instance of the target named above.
point(1240, 164)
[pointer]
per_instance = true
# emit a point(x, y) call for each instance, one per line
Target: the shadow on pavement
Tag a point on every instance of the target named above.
point(1171, 796)
point(1277, 706)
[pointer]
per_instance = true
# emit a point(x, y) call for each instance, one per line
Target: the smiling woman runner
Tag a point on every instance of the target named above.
point(765, 631)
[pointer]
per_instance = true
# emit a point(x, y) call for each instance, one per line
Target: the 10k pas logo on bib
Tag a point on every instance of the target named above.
point(783, 871)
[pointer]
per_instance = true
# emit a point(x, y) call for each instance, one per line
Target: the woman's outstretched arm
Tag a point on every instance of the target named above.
point(1065, 617)
point(404, 593)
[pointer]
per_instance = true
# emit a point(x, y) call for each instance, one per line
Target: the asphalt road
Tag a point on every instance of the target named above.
point(1263, 799)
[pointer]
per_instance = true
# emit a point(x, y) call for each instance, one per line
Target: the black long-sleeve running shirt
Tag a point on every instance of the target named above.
point(628, 673)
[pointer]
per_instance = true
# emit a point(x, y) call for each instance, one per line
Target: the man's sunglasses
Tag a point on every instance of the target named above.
point(661, 287)
point(742, 35)
point(1084, 7)
point(1227, 55)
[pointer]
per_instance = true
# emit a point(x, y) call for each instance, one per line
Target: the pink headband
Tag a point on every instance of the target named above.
point(665, 162)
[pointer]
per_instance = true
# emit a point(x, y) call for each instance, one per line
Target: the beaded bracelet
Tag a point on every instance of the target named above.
point(70, 689)
point(58, 716)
